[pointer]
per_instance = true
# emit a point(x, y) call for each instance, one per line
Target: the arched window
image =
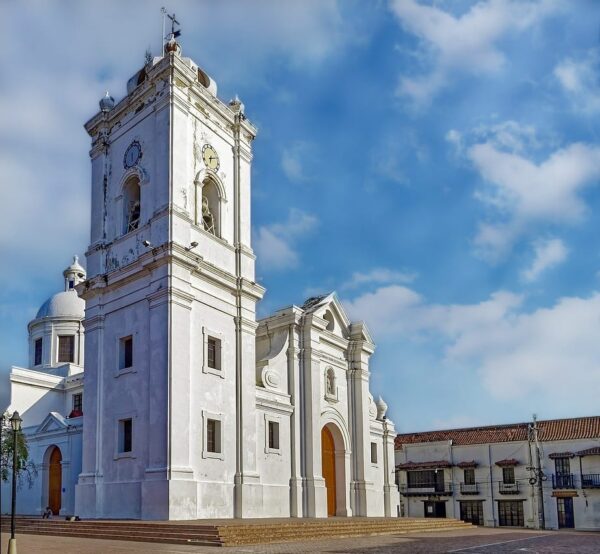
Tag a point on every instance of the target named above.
point(208, 207)
point(330, 382)
point(131, 205)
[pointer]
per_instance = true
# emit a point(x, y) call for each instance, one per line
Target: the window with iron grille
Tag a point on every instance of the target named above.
point(510, 513)
point(213, 435)
point(469, 475)
point(78, 402)
point(508, 475)
point(417, 479)
point(562, 466)
point(274, 435)
point(66, 349)
point(37, 358)
point(213, 352)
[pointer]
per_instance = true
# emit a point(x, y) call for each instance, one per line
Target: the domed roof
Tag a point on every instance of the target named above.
point(66, 304)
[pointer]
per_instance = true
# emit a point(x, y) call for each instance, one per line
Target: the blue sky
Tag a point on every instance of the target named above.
point(435, 163)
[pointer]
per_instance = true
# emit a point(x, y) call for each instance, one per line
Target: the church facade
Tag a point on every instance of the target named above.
point(193, 408)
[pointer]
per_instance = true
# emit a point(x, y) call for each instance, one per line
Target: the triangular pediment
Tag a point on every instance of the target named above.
point(52, 422)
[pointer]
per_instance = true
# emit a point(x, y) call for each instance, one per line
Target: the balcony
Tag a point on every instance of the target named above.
point(469, 488)
point(563, 481)
point(508, 488)
point(590, 481)
point(426, 489)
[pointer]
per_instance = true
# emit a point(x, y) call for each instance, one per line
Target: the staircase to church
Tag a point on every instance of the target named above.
point(231, 532)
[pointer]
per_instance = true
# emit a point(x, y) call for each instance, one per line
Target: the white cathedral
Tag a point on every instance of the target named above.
point(191, 407)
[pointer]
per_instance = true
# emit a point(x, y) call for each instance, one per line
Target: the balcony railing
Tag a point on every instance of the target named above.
point(508, 488)
point(469, 488)
point(426, 489)
point(563, 481)
point(590, 481)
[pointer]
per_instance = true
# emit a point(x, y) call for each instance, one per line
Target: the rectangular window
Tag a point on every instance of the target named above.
point(78, 402)
point(66, 349)
point(510, 513)
point(419, 479)
point(469, 476)
point(213, 353)
point(274, 435)
point(508, 475)
point(126, 352)
point(125, 435)
point(213, 435)
point(37, 358)
point(562, 466)
point(373, 452)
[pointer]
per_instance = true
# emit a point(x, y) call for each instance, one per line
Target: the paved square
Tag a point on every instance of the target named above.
point(476, 541)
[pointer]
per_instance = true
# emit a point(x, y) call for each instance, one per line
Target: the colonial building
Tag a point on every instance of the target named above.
point(490, 475)
point(192, 408)
point(48, 394)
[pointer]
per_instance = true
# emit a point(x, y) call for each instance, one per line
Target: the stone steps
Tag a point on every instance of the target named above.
point(231, 532)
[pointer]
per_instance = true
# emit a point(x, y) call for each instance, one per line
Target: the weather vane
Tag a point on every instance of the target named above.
point(174, 32)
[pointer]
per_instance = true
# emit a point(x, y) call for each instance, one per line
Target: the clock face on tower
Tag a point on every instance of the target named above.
point(210, 157)
point(132, 154)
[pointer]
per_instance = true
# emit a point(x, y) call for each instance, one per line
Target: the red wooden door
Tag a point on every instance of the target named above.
point(328, 462)
point(55, 481)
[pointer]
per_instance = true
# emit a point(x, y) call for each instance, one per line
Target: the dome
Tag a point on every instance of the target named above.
point(65, 304)
point(107, 103)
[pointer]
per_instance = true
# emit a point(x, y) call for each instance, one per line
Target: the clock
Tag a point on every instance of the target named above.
point(132, 154)
point(210, 157)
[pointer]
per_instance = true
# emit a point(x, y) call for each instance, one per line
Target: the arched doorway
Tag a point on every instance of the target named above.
point(329, 472)
point(55, 480)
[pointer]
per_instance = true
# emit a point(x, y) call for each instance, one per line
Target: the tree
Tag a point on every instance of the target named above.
point(26, 469)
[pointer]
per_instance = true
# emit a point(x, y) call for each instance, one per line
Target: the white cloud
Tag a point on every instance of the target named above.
point(293, 161)
point(527, 192)
point(468, 43)
point(378, 276)
point(579, 79)
point(548, 253)
point(275, 243)
point(520, 190)
point(514, 352)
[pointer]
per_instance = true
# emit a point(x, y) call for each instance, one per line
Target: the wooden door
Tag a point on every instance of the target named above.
point(328, 461)
point(55, 481)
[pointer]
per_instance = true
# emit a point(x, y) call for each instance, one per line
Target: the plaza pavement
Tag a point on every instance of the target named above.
point(473, 541)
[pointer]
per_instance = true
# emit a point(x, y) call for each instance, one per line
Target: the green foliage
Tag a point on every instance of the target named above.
point(26, 469)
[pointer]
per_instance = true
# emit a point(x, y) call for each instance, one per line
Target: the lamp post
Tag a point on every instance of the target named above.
point(15, 423)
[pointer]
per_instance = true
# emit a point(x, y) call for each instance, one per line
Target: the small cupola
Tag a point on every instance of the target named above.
point(74, 274)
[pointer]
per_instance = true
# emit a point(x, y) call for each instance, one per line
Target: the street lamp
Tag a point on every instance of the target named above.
point(15, 423)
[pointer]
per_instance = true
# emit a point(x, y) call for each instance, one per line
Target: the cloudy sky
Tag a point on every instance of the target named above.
point(436, 163)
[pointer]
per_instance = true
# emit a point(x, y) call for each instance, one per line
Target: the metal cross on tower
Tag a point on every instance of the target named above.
point(174, 32)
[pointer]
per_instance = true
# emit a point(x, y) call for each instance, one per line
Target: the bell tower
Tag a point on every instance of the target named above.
point(170, 422)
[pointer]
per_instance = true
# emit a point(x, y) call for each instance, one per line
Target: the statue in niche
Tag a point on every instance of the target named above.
point(208, 221)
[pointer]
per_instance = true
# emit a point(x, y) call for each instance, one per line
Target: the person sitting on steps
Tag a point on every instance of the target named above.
point(47, 513)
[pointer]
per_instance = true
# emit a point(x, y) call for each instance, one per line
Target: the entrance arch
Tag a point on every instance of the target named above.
point(333, 460)
point(54, 479)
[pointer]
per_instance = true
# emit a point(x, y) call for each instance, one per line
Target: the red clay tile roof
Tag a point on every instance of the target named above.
point(550, 430)
point(561, 455)
point(594, 451)
point(425, 465)
point(467, 465)
point(508, 462)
